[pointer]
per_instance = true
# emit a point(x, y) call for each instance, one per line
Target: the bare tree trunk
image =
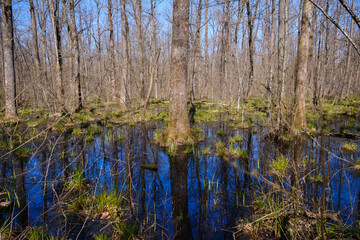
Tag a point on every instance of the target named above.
point(9, 64)
point(112, 52)
point(35, 50)
point(99, 60)
point(154, 46)
point(76, 49)
point(34, 35)
point(251, 19)
point(236, 54)
point(196, 51)
point(179, 126)
point(59, 84)
point(125, 52)
point(206, 46)
point(271, 54)
point(282, 49)
point(299, 120)
point(140, 39)
point(348, 77)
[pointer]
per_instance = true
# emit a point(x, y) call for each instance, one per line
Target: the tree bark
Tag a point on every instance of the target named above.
point(179, 126)
point(112, 52)
point(140, 39)
point(34, 35)
point(59, 83)
point(125, 52)
point(271, 53)
point(9, 64)
point(282, 50)
point(76, 49)
point(301, 74)
point(35, 49)
point(196, 52)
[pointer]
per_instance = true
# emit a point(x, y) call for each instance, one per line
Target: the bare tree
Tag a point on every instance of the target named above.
point(125, 52)
point(282, 50)
point(140, 39)
point(179, 127)
point(76, 49)
point(299, 119)
point(9, 64)
point(271, 53)
point(54, 8)
point(112, 51)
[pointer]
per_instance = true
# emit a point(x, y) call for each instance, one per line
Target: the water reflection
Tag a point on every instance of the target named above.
point(191, 195)
point(179, 195)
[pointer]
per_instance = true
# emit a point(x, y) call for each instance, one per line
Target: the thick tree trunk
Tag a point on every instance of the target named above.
point(112, 52)
point(9, 65)
point(179, 127)
point(59, 84)
point(301, 74)
point(125, 52)
point(76, 49)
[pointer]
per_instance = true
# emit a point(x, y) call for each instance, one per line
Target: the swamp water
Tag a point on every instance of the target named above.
point(190, 195)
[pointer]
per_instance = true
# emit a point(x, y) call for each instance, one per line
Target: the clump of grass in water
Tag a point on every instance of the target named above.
point(159, 137)
point(237, 152)
point(101, 236)
point(206, 151)
point(172, 150)
point(280, 164)
point(125, 230)
point(37, 233)
point(77, 131)
point(349, 147)
point(220, 149)
point(357, 166)
point(77, 181)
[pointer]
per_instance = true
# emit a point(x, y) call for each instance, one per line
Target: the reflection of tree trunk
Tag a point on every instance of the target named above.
point(142, 170)
point(358, 213)
point(323, 187)
point(127, 165)
point(179, 196)
point(115, 157)
point(298, 146)
point(19, 177)
point(247, 178)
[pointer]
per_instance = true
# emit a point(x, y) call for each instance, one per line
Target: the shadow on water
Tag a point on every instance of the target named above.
point(187, 196)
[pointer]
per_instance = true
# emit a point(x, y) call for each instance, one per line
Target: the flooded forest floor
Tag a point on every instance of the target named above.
point(100, 174)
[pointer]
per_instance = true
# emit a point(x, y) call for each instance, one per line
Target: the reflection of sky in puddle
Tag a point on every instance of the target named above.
point(214, 187)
